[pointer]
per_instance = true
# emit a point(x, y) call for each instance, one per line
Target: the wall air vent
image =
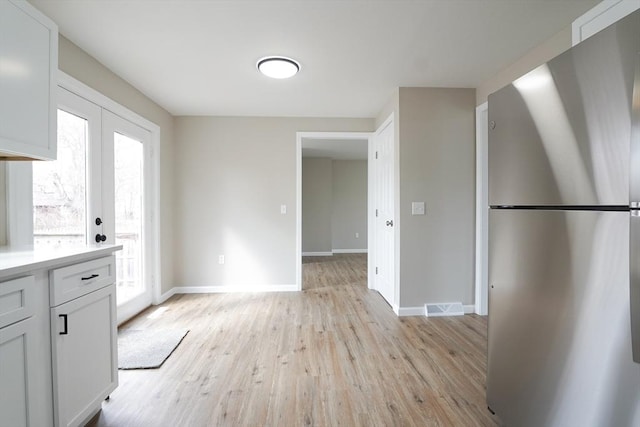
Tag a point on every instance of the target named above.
point(444, 309)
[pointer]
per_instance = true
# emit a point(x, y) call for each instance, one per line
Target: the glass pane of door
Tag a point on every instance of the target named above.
point(60, 188)
point(128, 192)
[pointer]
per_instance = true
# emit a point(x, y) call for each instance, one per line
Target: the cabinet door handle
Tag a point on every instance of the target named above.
point(93, 276)
point(64, 318)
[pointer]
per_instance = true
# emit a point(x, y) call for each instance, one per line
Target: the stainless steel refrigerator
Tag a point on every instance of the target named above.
point(564, 238)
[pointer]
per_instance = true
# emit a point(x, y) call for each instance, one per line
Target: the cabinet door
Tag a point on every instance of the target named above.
point(28, 67)
point(16, 363)
point(84, 341)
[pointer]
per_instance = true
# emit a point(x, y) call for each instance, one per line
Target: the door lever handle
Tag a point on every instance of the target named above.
point(100, 238)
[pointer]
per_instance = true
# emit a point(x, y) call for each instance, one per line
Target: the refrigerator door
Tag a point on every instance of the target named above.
point(559, 135)
point(559, 352)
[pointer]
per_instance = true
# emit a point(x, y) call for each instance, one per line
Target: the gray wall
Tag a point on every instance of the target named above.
point(435, 150)
point(317, 202)
point(232, 175)
point(334, 204)
point(437, 166)
point(349, 213)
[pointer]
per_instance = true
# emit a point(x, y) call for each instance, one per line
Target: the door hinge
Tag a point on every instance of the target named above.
point(376, 270)
point(376, 155)
point(376, 213)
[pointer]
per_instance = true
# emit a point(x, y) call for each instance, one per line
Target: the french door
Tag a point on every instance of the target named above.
point(124, 150)
point(95, 193)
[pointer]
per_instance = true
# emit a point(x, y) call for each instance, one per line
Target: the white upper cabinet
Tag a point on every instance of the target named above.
point(28, 81)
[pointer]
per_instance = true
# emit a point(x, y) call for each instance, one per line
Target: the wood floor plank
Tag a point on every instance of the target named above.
point(334, 354)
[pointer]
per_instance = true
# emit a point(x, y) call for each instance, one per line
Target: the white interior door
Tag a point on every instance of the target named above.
point(125, 150)
point(385, 213)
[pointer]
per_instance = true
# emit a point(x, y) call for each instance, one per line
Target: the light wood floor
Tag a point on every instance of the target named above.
point(337, 270)
point(332, 355)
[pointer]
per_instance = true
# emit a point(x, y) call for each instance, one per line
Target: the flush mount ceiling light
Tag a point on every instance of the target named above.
point(278, 67)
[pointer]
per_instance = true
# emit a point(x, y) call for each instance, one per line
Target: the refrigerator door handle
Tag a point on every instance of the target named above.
point(634, 282)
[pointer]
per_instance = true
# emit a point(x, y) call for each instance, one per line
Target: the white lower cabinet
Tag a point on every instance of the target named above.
point(84, 353)
point(16, 364)
point(58, 337)
point(17, 351)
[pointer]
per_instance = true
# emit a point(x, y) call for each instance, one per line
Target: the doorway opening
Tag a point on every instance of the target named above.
point(333, 208)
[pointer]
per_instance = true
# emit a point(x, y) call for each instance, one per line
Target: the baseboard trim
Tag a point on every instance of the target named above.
point(233, 289)
point(349, 251)
point(469, 309)
point(317, 253)
point(408, 311)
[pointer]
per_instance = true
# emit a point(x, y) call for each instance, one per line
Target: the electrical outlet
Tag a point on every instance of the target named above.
point(220, 259)
point(357, 235)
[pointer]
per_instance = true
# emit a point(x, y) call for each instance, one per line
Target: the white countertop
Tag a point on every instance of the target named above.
point(18, 260)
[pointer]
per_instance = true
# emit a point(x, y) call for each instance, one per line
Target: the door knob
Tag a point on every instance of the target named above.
point(390, 223)
point(100, 238)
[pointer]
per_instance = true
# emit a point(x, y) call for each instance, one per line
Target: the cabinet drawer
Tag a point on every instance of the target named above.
point(71, 282)
point(16, 300)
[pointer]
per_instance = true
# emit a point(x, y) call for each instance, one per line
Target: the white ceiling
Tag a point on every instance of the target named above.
point(197, 57)
point(337, 149)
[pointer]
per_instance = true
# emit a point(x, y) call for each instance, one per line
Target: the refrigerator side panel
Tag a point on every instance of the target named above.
point(634, 189)
point(559, 135)
point(634, 287)
point(635, 216)
point(559, 352)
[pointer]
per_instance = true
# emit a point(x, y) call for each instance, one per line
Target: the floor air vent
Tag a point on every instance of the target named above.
point(446, 309)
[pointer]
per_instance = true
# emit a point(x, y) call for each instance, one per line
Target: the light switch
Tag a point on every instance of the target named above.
point(417, 208)
point(283, 209)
